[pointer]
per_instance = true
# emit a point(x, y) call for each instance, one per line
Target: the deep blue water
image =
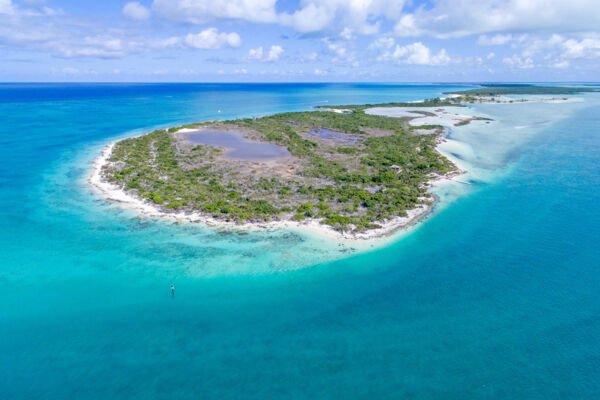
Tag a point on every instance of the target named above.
point(495, 297)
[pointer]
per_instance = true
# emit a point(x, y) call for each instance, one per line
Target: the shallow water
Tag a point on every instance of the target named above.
point(495, 297)
point(237, 147)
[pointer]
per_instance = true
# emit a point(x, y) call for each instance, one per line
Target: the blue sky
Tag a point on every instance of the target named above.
point(300, 40)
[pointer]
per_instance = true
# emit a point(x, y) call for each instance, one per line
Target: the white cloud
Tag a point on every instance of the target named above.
point(416, 53)
point(539, 45)
point(6, 7)
point(259, 54)
point(256, 54)
point(311, 18)
point(584, 48)
point(495, 40)
point(52, 34)
point(558, 33)
point(383, 43)
point(211, 38)
point(407, 25)
point(517, 61)
point(104, 46)
point(135, 10)
point(347, 34)
point(94, 46)
point(68, 38)
point(338, 49)
point(555, 51)
point(345, 16)
point(456, 18)
point(202, 11)
point(40, 27)
point(274, 53)
point(35, 9)
point(355, 16)
point(561, 64)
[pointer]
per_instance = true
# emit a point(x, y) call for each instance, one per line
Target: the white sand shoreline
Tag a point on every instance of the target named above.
point(388, 231)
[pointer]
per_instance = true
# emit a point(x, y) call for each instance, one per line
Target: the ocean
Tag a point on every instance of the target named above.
point(495, 296)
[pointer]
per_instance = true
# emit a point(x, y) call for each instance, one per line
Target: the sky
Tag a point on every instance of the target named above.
point(299, 40)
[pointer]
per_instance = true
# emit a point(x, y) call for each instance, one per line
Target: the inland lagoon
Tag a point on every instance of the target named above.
point(236, 147)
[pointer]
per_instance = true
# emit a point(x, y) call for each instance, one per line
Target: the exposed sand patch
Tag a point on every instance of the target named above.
point(445, 116)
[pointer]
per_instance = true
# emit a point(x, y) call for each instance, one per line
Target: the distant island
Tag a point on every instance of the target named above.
point(522, 89)
point(356, 169)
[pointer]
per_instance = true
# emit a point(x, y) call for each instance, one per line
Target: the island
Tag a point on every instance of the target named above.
point(358, 170)
point(498, 89)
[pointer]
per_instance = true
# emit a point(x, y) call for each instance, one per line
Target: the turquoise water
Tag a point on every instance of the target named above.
point(495, 297)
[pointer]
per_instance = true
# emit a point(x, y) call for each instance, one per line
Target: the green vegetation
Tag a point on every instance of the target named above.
point(500, 90)
point(435, 102)
point(374, 171)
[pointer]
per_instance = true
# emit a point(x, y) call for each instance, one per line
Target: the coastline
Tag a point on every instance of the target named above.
point(388, 230)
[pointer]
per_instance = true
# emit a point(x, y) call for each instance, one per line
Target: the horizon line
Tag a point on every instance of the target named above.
point(306, 82)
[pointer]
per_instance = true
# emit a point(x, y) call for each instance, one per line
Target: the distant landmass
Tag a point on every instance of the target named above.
point(522, 89)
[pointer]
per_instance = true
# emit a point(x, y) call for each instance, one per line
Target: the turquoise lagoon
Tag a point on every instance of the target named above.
point(496, 296)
